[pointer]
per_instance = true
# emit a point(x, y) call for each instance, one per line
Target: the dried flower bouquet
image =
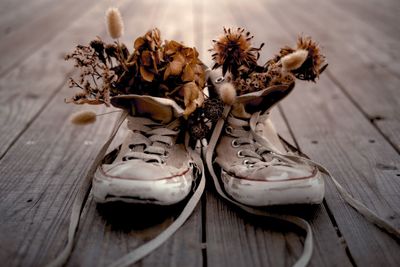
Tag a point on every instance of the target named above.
point(163, 69)
point(172, 70)
point(234, 53)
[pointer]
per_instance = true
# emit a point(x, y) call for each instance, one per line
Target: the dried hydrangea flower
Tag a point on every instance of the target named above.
point(233, 51)
point(193, 98)
point(115, 24)
point(183, 61)
point(168, 69)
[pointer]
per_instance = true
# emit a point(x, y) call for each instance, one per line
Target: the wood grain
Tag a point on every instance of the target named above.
point(29, 87)
point(348, 121)
point(41, 174)
point(46, 22)
point(339, 126)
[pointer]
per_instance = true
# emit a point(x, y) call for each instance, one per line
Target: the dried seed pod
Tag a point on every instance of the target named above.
point(233, 50)
point(83, 117)
point(213, 109)
point(115, 24)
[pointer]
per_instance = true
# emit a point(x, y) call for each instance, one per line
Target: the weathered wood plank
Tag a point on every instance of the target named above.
point(361, 159)
point(15, 14)
point(238, 240)
point(109, 232)
point(353, 59)
point(381, 16)
point(339, 136)
point(39, 178)
point(46, 23)
point(29, 87)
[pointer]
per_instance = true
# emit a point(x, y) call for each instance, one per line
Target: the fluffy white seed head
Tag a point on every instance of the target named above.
point(294, 60)
point(115, 25)
point(83, 117)
point(227, 93)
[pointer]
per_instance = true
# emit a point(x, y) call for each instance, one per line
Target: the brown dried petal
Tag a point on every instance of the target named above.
point(172, 47)
point(188, 74)
point(175, 67)
point(146, 75)
point(146, 58)
point(139, 42)
point(190, 93)
point(167, 73)
point(189, 109)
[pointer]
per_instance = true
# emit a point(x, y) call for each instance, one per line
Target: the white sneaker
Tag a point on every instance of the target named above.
point(253, 164)
point(153, 165)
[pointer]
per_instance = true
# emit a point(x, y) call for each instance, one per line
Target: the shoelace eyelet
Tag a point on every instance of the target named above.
point(166, 154)
point(235, 143)
point(228, 129)
point(248, 164)
point(127, 158)
point(220, 79)
point(240, 154)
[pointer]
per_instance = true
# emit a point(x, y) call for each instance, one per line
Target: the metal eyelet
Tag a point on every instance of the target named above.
point(240, 154)
point(166, 154)
point(220, 79)
point(250, 166)
point(246, 162)
point(228, 129)
point(235, 143)
point(131, 146)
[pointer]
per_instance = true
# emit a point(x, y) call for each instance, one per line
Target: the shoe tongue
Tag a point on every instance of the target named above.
point(163, 110)
point(262, 100)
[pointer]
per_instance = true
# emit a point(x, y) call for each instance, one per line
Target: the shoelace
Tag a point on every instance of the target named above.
point(258, 152)
point(146, 248)
point(151, 141)
point(153, 244)
point(306, 255)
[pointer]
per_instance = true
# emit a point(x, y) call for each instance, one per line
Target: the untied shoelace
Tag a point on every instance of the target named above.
point(306, 255)
point(146, 248)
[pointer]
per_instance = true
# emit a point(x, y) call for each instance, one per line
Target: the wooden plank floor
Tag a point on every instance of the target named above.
point(349, 121)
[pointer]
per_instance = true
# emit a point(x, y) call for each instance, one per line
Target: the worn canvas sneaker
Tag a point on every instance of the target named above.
point(249, 159)
point(153, 165)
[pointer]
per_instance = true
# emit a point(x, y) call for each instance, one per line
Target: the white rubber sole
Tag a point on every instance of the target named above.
point(308, 190)
point(159, 192)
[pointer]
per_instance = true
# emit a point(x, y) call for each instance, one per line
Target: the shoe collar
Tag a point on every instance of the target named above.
point(260, 101)
point(160, 109)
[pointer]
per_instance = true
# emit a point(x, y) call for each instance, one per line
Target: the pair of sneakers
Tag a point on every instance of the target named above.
point(245, 156)
point(250, 165)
